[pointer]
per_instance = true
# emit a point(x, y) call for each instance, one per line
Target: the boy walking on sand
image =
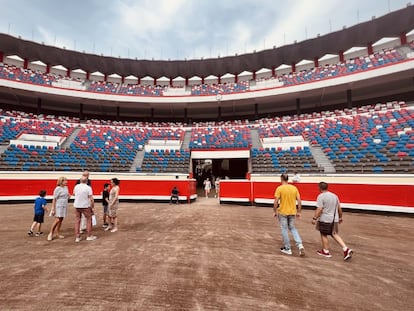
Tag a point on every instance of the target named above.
point(39, 213)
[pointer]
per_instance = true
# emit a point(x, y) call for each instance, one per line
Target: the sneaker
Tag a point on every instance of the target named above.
point(324, 254)
point(91, 238)
point(301, 251)
point(78, 239)
point(60, 236)
point(108, 228)
point(49, 237)
point(114, 230)
point(286, 251)
point(39, 233)
point(105, 225)
point(30, 233)
point(348, 254)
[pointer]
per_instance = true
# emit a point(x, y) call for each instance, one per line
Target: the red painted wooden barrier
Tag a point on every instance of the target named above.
point(15, 189)
point(384, 197)
point(355, 195)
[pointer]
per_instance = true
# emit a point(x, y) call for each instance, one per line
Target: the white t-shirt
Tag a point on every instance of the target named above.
point(207, 184)
point(82, 193)
point(329, 203)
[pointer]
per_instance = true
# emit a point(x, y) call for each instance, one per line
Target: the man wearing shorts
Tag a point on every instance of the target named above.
point(328, 210)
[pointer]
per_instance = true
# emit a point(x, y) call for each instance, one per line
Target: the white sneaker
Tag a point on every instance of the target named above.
point(78, 239)
point(49, 237)
point(108, 228)
point(114, 230)
point(286, 251)
point(91, 238)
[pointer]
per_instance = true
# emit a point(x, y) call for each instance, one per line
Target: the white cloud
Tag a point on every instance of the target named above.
point(142, 18)
point(301, 21)
point(179, 29)
point(52, 39)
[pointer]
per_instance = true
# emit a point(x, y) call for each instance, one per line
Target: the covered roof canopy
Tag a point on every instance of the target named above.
point(391, 25)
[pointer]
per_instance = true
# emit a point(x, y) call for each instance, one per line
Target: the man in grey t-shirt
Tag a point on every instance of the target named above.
point(328, 210)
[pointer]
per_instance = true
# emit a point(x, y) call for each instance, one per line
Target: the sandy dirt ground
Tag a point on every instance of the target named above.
point(204, 256)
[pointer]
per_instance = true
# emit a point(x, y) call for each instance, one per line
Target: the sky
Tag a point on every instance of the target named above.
point(181, 29)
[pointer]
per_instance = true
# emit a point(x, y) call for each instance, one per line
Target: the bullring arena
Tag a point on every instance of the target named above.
point(346, 120)
point(204, 256)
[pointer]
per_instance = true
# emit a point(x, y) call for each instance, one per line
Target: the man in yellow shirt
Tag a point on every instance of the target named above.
point(286, 196)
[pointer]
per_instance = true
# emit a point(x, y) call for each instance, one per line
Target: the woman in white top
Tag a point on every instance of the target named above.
point(207, 187)
point(59, 207)
point(113, 206)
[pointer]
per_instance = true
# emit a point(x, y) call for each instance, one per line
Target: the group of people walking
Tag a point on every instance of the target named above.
point(207, 184)
point(287, 207)
point(328, 215)
point(84, 207)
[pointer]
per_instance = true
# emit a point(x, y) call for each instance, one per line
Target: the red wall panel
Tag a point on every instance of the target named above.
point(236, 189)
point(31, 187)
point(376, 194)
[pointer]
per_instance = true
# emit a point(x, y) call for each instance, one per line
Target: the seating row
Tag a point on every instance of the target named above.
point(370, 140)
point(380, 58)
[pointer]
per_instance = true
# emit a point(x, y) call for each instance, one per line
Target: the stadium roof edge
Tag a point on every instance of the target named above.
point(393, 24)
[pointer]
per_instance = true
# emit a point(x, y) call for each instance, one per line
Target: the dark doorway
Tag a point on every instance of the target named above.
point(231, 168)
point(223, 168)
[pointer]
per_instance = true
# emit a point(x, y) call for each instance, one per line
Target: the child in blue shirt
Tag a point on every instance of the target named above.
point(39, 213)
